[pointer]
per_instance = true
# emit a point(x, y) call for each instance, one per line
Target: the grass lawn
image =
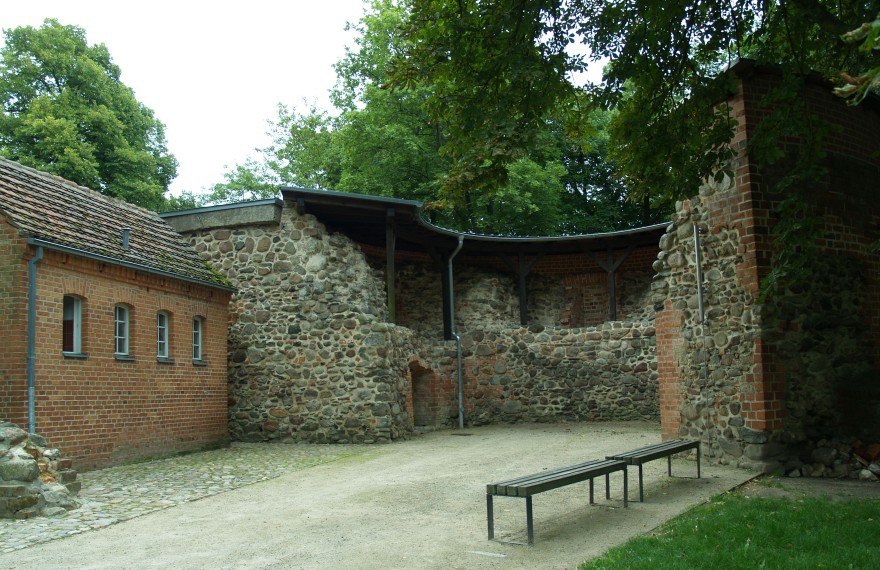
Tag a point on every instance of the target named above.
point(735, 531)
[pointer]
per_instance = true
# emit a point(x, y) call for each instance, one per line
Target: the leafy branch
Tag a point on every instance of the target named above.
point(856, 88)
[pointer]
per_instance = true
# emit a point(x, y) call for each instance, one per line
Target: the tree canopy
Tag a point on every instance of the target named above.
point(495, 68)
point(385, 141)
point(66, 111)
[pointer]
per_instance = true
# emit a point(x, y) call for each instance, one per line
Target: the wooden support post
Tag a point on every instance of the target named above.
point(522, 270)
point(612, 288)
point(523, 292)
point(610, 265)
point(441, 263)
point(390, 245)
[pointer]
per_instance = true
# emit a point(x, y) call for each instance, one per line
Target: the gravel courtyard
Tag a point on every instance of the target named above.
point(414, 504)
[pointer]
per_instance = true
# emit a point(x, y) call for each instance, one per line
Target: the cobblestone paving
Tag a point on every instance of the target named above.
point(116, 494)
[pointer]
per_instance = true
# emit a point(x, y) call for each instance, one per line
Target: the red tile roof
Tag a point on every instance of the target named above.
point(60, 213)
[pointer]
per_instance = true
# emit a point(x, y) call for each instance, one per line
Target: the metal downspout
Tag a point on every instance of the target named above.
point(32, 337)
point(698, 257)
point(455, 334)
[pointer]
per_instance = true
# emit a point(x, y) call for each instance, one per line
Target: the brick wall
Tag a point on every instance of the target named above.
point(100, 410)
point(669, 344)
point(13, 315)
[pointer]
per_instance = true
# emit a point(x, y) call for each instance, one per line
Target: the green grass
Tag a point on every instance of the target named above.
point(733, 531)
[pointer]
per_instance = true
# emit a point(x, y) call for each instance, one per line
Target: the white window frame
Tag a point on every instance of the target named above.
point(163, 322)
point(76, 309)
point(198, 337)
point(121, 337)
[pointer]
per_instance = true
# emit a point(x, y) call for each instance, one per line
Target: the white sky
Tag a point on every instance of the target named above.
point(213, 72)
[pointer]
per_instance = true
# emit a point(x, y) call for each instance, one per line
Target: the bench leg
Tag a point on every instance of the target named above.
point(530, 528)
point(490, 516)
point(625, 488)
point(698, 461)
point(641, 488)
point(592, 502)
point(607, 487)
point(669, 465)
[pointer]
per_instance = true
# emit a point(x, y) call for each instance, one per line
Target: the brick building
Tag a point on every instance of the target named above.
point(115, 329)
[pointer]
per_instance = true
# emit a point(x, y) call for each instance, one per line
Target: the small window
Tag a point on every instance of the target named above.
point(198, 333)
point(121, 332)
point(162, 335)
point(72, 328)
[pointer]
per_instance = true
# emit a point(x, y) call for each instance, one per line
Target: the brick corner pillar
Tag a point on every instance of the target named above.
point(669, 342)
point(764, 402)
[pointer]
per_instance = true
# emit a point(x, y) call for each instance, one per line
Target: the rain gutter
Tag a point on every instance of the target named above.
point(32, 338)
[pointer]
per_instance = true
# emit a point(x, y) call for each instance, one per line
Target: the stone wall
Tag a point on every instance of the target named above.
point(486, 298)
point(713, 361)
point(311, 357)
point(761, 379)
point(545, 374)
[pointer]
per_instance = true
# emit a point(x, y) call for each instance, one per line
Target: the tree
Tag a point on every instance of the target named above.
point(496, 68)
point(248, 181)
point(493, 68)
point(385, 142)
point(66, 111)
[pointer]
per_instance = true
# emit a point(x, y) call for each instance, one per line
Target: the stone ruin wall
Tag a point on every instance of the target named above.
point(790, 382)
point(714, 361)
point(815, 342)
point(486, 295)
point(546, 374)
point(311, 357)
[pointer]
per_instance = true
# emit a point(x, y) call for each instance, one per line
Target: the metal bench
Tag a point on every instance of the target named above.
point(651, 452)
point(546, 480)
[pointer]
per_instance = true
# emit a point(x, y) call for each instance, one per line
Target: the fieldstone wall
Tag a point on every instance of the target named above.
point(483, 299)
point(487, 299)
point(540, 374)
point(311, 357)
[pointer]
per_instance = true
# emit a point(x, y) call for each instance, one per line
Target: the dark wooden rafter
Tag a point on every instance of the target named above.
point(522, 270)
point(610, 264)
point(390, 270)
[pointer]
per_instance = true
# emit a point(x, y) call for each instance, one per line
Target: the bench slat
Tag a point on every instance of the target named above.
point(546, 480)
point(524, 479)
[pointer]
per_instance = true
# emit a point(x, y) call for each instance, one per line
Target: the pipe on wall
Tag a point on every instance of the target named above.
point(698, 257)
point(455, 334)
point(32, 338)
